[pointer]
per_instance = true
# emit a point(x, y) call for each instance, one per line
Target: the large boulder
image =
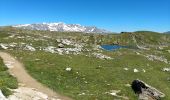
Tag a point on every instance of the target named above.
point(145, 91)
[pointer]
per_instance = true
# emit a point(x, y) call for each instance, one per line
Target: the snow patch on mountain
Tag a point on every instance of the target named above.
point(62, 27)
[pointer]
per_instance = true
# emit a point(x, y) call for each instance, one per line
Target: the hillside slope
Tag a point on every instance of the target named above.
point(75, 65)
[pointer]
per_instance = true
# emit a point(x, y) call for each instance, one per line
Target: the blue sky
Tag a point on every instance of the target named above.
point(113, 15)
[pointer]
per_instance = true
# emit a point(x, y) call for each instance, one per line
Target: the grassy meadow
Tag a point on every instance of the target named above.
point(92, 78)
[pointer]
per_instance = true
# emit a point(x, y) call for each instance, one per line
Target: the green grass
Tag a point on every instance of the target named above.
point(143, 37)
point(90, 75)
point(87, 77)
point(7, 81)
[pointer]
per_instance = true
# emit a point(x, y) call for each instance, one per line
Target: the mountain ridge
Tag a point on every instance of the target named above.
point(62, 27)
point(168, 32)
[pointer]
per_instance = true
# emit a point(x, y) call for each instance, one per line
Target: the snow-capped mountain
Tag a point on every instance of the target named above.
point(62, 27)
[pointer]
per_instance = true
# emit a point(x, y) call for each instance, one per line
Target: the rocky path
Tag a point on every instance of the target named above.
point(32, 89)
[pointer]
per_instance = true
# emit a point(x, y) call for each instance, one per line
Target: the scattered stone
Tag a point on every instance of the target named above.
point(37, 59)
point(127, 85)
point(137, 53)
point(3, 46)
point(126, 69)
point(115, 93)
point(101, 56)
point(153, 57)
point(144, 70)
point(30, 48)
point(20, 37)
point(166, 69)
point(66, 42)
point(62, 51)
point(74, 51)
point(50, 49)
point(58, 40)
point(143, 47)
point(135, 70)
point(22, 43)
point(82, 93)
point(68, 69)
point(108, 84)
point(47, 37)
point(60, 45)
point(9, 64)
point(13, 44)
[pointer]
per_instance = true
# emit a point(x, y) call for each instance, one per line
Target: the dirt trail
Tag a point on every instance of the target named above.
point(17, 70)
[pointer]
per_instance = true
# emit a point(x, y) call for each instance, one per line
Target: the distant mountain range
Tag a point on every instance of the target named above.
point(62, 27)
point(167, 32)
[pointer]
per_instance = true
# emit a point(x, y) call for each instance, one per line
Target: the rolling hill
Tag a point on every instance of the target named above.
point(75, 65)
